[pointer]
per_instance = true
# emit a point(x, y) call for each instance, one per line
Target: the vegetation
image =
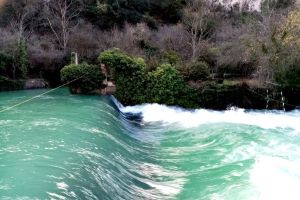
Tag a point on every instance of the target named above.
point(174, 47)
point(84, 78)
point(137, 85)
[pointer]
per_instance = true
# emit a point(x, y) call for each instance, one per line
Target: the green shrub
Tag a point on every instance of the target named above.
point(121, 62)
point(171, 57)
point(6, 60)
point(22, 61)
point(6, 64)
point(92, 77)
point(197, 71)
point(130, 75)
point(135, 85)
point(165, 85)
point(290, 76)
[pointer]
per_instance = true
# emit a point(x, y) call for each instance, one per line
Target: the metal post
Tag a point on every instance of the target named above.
point(76, 59)
point(282, 98)
point(268, 99)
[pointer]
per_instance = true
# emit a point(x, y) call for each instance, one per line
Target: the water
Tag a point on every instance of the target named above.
point(62, 146)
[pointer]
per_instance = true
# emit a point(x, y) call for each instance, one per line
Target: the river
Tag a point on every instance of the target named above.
point(61, 146)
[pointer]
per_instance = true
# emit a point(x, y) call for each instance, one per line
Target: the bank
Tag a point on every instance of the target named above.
point(7, 84)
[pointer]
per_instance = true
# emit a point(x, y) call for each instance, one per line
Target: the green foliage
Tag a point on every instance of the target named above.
point(150, 51)
point(171, 57)
point(107, 13)
point(135, 85)
point(165, 85)
point(6, 61)
point(129, 75)
point(284, 58)
point(290, 76)
point(22, 62)
point(91, 80)
point(196, 71)
point(268, 5)
point(121, 62)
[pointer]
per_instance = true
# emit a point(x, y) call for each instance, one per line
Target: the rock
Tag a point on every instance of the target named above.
point(35, 84)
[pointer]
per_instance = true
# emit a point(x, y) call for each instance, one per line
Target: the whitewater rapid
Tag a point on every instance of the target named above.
point(64, 146)
point(194, 118)
point(273, 175)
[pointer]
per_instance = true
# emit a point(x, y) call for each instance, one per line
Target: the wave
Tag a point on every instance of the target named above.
point(194, 118)
point(134, 116)
point(93, 150)
point(276, 178)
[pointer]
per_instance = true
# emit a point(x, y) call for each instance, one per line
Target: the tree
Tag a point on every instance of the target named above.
point(287, 70)
point(22, 62)
point(270, 33)
point(23, 12)
point(60, 16)
point(197, 19)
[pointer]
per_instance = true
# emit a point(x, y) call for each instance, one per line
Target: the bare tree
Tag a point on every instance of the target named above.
point(60, 15)
point(196, 19)
point(265, 31)
point(22, 18)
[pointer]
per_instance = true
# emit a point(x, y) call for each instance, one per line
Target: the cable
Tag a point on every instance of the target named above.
point(35, 97)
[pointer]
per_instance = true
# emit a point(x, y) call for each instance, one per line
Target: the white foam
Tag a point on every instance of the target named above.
point(194, 118)
point(62, 186)
point(276, 178)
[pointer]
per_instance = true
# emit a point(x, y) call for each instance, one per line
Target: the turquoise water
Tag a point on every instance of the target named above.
point(62, 146)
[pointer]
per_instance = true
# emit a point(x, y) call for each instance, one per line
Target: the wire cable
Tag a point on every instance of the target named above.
point(37, 96)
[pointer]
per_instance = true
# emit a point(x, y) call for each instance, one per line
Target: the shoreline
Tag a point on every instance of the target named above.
point(223, 97)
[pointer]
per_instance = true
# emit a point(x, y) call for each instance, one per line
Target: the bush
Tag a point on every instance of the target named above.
point(129, 75)
point(121, 62)
point(290, 76)
point(22, 61)
point(135, 85)
point(172, 57)
point(197, 71)
point(165, 85)
point(92, 77)
point(6, 64)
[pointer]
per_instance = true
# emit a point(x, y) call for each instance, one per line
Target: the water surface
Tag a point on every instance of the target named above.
point(62, 146)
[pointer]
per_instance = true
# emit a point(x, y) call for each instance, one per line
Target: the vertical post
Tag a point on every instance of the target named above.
point(268, 99)
point(283, 103)
point(76, 59)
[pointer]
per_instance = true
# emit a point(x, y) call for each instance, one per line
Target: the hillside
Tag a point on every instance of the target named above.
point(239, 41)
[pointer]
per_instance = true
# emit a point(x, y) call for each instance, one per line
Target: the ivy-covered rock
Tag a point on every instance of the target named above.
point(129, 74)
point(122, 62)
point(136, 86)
point(90, 77)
